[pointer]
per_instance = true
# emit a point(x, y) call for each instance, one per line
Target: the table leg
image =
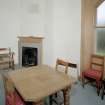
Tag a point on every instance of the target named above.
point(50, 99)
point(66, 94)
point(38, 103)
point(103, 89)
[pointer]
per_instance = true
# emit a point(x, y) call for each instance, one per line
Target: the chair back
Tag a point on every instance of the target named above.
point(63, 63)
point(8, 85)
point(9, 90)
point(2, 91)
point(97, 62)
point(12, 96)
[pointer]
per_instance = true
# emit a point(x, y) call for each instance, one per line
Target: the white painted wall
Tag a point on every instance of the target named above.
point(48, 41)
point(57, 20)
point(67, 30)
point(9, 23)
point(36, 19)
point(25, 17)
point(33, 17)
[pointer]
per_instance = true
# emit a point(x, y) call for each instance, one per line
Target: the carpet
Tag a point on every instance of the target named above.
point(82, 96)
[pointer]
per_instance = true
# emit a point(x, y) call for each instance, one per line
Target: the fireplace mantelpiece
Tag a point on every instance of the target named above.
point(30, 41)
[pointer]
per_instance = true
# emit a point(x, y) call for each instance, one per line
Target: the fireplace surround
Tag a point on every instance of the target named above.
point(30, 51)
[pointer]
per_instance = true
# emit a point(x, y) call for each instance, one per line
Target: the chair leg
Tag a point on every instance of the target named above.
point(83, 81)
point(50, 99)
point(102, 96)
point(9, 64)
point(98, 87)
point(56, 95)
point(12, 65)
point(98, 92)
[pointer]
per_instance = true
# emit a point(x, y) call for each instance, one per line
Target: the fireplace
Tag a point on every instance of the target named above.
point(29, 56)
point(30, 51)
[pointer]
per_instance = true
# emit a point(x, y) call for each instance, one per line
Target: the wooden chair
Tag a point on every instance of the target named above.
point(95, 72)
point(65, 65)
point(7, 57)
point(12, 97)
point(103, 89)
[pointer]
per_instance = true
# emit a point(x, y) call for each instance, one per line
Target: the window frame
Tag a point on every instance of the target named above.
point(97, 27)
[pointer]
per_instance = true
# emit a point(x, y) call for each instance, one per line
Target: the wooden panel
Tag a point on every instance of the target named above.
point(87, 32)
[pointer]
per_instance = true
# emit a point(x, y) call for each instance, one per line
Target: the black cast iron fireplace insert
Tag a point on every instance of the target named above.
point(29, 56)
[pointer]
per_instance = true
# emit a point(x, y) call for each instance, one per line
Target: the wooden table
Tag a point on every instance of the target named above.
point(36, 83)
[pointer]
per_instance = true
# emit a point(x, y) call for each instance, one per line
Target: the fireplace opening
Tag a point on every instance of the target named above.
point(29, 56)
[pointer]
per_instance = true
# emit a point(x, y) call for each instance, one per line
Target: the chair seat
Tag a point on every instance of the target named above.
point(14, 97)
point(94, 74)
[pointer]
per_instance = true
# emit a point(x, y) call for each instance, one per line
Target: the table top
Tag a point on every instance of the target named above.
point(35, 83)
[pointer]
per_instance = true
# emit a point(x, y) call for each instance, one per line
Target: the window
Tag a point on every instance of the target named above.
point(100, 30)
